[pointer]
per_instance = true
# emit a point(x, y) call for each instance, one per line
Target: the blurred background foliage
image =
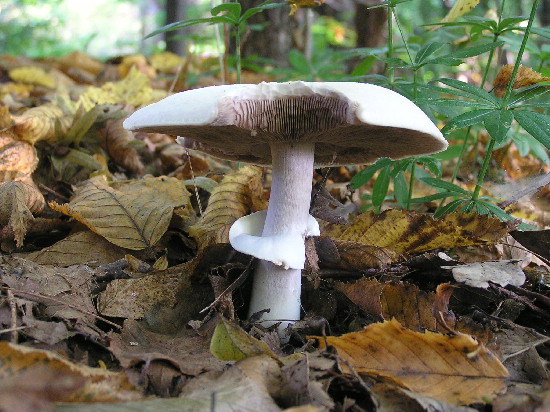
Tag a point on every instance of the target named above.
point(106, 28)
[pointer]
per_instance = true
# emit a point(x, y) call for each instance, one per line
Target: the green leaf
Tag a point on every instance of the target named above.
point(495, 210)
point(436, 196)
point(446, 60)
point(536, 124)
point(442, 184)
point(233, 11)
point(299, 62)
point(449, 207)
point(380, 187)
point(476, 92)
point(401, 189)
point(187, 23)
point(467, 119)
point(476, 50)
point(433, 164)
point(268, 5)
point(528, 93)
point(498, 124)
point(427, 50)
point(511, 23)
point(434, 101)
point(366, 174)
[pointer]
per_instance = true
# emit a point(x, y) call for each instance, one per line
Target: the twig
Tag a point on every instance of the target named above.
point(53, 192)
point(39, 296)
point(234, 285)
point(13, 312)
point(13, 329)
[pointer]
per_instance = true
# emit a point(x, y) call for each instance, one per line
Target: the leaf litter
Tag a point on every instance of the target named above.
point(112, 262)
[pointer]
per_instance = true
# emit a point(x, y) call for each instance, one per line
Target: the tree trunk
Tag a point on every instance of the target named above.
point(177, 10)
point(276, 38)
point(545, 13)
point(370, 24)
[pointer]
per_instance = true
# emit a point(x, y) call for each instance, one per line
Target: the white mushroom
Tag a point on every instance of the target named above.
point(292, 126)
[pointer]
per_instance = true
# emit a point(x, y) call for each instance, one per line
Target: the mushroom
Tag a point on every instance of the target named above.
point(293, 126)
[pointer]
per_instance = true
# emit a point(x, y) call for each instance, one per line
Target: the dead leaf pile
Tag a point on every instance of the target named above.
point(119, 289)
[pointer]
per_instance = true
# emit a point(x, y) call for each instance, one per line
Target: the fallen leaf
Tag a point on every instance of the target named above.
point(537, 241)
point(460, 8)
point(390, 397)
point(231, 199)
point(18, 159)
point(18, 202)
point(247, 386)
point(45, 122)
point(32, 75)
point(136, 346)
point(133, 214)
point(408, 232)
point(78, 249)
point(503, 272)
point(230, 342)
point(355, 255)
point(132, 298)
point(91, 384)
point(166, 62)
point(134, 89)
point(117, 141)
point(524, 77)
point(455, 369)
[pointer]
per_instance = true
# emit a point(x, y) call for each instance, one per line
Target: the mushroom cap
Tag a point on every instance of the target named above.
point(350, 123)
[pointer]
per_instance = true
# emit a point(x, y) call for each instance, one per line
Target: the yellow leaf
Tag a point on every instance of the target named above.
point(134, 89)
point(296, 4)
point(408, 232)
point(166, 62)
point(231, 199)
point(230, 342)
point(44, 122)
point(455, 369)
point(524, 77)
point(89, 384)
point(460, 8)
point(32, 75)
point(133, 215)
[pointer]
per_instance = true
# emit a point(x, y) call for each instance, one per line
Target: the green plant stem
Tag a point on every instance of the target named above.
point(491, 145)
point(484, 167)
point(402, 35)
point(520, 54)
point(411, 183)
point(238, 52)
point(389, 68)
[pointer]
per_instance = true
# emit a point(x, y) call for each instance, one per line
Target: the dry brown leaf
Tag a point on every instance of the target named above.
point(132, 298)
point(524, 77)
point(17, 159)
point(80, 61)
point(116, 141)
point(78, 249)
point(231, 199)
point(133, 214)
point(405, 302)
point(44, 122)
point(359, 256)
point(408, 232)
point(91, 384)
point(455, 369)
point(18, 202)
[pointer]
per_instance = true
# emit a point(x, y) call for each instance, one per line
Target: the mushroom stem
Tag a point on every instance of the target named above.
point(276, 287)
